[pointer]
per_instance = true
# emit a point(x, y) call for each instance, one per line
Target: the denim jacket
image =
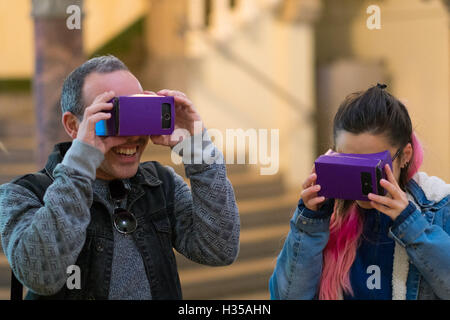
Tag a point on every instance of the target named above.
point(421, 256)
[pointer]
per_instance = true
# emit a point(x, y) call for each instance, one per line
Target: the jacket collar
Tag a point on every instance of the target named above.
point(57, 155)
point(428, 191)
point(143, 176)
point(418, 194)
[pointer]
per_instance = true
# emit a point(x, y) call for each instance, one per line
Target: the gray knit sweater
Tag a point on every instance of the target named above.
point(40, 242)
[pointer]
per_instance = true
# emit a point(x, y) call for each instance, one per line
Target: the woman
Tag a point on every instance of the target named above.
point(391, 247)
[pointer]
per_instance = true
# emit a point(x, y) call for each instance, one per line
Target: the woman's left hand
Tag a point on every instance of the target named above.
point(394, 202)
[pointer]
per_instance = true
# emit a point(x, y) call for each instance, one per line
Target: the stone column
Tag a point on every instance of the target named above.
point(447, 3)
point(300, 11)
point(58, 50)
point(247, 10)
point(166, 27)
point(195, 28)
point(221, 22)
point(295, 65)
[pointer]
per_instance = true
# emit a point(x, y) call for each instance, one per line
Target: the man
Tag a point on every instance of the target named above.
point(95, 206)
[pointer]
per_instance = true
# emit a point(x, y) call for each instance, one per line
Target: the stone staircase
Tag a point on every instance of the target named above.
point(265, 209)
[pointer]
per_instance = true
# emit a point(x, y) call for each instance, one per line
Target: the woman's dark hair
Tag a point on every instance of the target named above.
point(377, 112)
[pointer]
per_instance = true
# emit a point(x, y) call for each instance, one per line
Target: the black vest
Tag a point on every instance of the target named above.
point(151, 200)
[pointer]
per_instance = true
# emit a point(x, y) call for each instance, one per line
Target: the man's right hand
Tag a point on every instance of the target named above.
point(92, 115)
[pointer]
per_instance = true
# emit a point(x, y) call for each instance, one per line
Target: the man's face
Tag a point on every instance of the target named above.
point(121, 161)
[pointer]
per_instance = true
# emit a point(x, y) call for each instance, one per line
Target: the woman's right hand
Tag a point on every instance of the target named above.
point(309, 193)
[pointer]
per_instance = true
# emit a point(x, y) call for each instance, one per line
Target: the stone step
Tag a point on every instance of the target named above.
point(25, 143)
point(252, 295)
point(5, 272)
point(17, 129)
point(196, 278)
point(16, 169)
point(240, 281)
point(255, 243)
point(17, 115)
point(4, 293)
point(250, 273)
point(16, 156)
point(207, 282)
point(259, 248)
point(268, 211)
point(264, 227)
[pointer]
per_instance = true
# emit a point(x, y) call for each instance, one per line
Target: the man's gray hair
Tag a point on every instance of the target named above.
point(72, 95)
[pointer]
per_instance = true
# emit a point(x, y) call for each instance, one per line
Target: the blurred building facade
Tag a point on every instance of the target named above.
point(271, 63)
point(410, 52)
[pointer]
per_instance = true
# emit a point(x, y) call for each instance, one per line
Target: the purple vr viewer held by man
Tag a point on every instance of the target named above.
point(138, 115)
point(351, 176)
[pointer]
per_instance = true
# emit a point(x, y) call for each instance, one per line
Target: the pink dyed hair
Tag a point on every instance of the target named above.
point(417, 159)
point(345, 230)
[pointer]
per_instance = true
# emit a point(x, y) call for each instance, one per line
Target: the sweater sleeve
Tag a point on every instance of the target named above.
point(207, 219)
point(41, 241)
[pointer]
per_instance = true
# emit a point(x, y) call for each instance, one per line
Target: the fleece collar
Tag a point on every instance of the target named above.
point(426, 190)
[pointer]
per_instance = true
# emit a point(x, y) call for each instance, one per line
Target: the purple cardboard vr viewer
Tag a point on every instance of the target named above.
point(351, 176)
point(138, 115)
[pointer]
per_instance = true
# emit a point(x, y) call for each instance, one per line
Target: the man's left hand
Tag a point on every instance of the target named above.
point(185, 117)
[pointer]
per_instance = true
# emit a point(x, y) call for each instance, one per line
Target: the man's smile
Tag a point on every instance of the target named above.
point(125, 150)
point(129, 152)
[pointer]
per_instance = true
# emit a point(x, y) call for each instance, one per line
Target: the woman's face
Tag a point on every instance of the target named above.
point(364, 143)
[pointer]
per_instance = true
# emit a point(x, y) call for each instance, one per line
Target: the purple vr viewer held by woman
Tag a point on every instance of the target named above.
point(351, 176)
point(138, 115)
